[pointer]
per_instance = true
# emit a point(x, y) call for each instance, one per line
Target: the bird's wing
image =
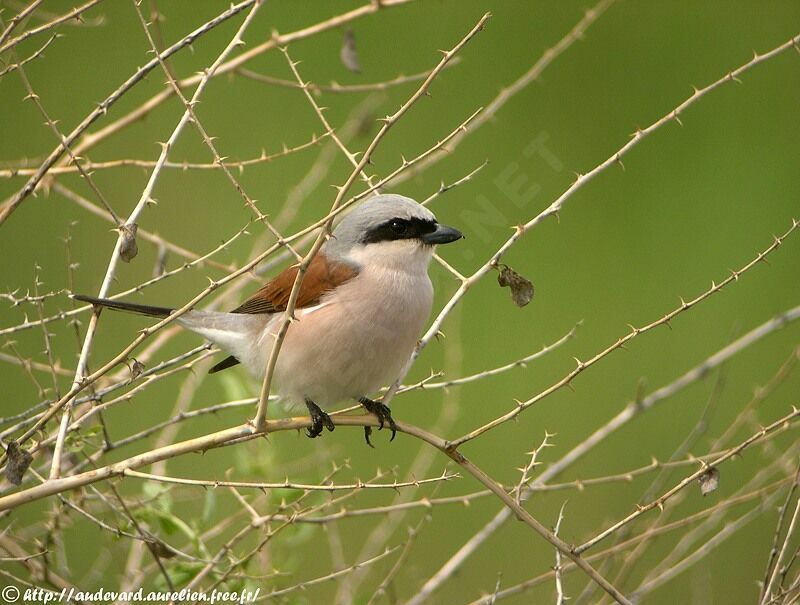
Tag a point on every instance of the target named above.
point(323, 275)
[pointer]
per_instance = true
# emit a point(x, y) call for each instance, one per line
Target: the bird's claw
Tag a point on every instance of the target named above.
point(384, 415)
point(319, 420)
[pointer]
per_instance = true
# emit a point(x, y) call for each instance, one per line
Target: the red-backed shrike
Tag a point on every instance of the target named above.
point(363, 302)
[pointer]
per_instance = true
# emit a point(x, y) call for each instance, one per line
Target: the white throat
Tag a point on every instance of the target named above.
point(405, 255)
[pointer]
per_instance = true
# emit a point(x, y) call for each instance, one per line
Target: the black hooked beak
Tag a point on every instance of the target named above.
point(442, 235)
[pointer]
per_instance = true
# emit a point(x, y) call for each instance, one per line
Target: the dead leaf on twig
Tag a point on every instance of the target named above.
point(709, 480)
point(137, 367)
point(128, 249)
point(18, 462)
point(160, 549)
point(521, 288)
point(348, 54)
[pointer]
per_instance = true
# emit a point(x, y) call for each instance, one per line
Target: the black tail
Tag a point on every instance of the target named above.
point(124, 306)
point(226, 363)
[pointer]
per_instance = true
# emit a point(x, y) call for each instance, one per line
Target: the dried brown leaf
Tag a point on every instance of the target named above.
point(161, 550)
point(128, 249)
point(349, 54)
point(18, 462)
point(521, 288)
point(137, 367)
point(709, 480)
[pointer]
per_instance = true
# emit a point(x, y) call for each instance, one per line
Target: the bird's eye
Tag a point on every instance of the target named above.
point(398, 227)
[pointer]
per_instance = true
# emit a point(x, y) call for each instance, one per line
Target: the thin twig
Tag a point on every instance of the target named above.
point(659, 502)
point(629, 412)
point(335, 87)
point(144, 200)
point(18, 18)
point(240, 165)
point(767, 589)
point(555, 207)
point(331, 487)
point(621, 342)
point(38, 53)
point(388, 122)
point(560, 597)
point(8, 207)
point(73, 14)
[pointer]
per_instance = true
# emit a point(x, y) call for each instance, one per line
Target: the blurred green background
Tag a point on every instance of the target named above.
point(692, 203)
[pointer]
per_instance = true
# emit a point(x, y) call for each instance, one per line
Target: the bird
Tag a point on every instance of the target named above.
point(363, 302)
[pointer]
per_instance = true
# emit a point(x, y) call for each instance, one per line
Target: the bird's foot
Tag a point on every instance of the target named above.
point(384, 415)
point(319, 420)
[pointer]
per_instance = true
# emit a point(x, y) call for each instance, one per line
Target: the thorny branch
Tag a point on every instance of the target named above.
point(222, 566)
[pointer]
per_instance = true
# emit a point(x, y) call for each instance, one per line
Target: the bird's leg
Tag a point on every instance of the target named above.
point(319, 420)
point(384, 415)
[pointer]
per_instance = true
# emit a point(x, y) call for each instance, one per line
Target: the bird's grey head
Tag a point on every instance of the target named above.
point(389, 221)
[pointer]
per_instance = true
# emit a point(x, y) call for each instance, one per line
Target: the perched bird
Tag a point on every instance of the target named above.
point(362, 305)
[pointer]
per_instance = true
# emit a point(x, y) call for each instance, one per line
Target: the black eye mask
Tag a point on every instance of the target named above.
point(399, 228)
